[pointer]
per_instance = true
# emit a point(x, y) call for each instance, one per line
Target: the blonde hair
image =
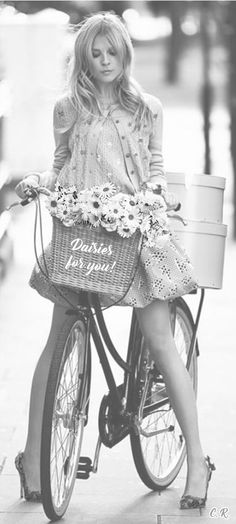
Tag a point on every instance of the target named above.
point(83, 91)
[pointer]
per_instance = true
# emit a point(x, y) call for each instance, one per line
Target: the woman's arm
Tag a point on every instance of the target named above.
point(63, 119)
point(64, 116)
point(157, 177)
point(61, 151)
point(156, 165)
point(47, 178)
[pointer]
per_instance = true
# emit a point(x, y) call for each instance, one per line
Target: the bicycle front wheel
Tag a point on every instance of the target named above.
point(157, 441)
point(65, 414)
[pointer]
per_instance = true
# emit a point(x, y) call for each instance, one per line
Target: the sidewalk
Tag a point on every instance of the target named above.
point(116, 493)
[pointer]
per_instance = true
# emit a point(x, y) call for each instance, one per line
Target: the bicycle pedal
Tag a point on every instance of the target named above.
point(84, 468)
point(82, 475)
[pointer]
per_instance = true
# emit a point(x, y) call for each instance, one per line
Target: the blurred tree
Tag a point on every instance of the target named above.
point(232, 56)
point(206, 94)
point(175, 11)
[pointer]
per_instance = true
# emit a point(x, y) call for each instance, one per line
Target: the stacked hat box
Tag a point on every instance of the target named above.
point(203, 234)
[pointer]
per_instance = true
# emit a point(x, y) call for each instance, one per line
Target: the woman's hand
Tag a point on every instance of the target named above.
point(170, 198)
point(30, 181)
point(171, 201)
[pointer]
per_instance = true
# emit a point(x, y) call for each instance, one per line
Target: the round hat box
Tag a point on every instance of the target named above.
point(204, 243)
point(201, 196)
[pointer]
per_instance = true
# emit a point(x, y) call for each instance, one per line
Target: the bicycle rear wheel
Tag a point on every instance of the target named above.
point(65, 414)
point(158, 445)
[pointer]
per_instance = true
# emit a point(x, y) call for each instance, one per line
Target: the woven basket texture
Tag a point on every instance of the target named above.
point(93, 259)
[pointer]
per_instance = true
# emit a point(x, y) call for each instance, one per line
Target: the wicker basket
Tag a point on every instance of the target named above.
point(93, 259)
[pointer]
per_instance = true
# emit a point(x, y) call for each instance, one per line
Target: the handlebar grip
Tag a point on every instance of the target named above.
point(31, 194)
point(25, 201)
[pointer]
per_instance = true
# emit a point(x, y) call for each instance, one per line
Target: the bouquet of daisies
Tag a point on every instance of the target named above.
point(106, 206)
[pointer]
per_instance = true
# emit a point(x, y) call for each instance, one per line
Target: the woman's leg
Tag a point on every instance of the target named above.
point(154, 321)
point(31, 458)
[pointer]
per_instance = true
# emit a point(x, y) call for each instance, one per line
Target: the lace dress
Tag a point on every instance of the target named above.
point(162, 273)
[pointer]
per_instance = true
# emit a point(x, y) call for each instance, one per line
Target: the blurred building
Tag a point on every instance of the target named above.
point(33, 49)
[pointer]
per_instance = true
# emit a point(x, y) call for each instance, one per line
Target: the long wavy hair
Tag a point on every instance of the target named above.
point(83, 91)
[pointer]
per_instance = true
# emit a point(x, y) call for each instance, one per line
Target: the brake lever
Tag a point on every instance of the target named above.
point(23, 202)
point(32, 194)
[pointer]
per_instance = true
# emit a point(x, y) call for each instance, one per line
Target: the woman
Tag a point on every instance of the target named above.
point(107, 129)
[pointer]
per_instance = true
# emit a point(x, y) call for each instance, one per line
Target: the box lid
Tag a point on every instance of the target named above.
point(189, 180)
point(195, 226)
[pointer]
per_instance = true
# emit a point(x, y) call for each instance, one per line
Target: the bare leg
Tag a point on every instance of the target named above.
point(155, 325)
point(31, 459)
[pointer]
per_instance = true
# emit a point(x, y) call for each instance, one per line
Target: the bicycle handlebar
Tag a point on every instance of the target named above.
point(31, 193)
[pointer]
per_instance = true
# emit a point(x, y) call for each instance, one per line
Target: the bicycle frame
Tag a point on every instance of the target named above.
point(97, 327)
point(101, 338)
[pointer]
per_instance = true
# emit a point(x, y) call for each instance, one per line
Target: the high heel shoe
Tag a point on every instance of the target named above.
point(31, 496)
point(189, 501)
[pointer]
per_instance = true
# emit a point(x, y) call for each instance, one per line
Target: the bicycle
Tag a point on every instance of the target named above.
point(138, 407)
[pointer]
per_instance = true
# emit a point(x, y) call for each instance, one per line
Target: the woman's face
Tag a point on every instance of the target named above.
point(106, 64)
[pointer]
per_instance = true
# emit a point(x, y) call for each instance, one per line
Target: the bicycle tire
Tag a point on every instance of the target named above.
point(159, 464)
point(64, 416)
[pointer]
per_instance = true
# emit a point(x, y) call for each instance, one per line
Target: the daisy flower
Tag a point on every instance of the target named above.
point(133, 213)
point(51, 205)
point(85, 214)
point(125, 231)
point(61, 212)
point(133, 201)
point(94, 206)
point(68, 223)
point(129, 221)
point(114, 210)
point(108, 224)
point(68, 202)
point(147, 198)
point(105, 191)
point(122, 199)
